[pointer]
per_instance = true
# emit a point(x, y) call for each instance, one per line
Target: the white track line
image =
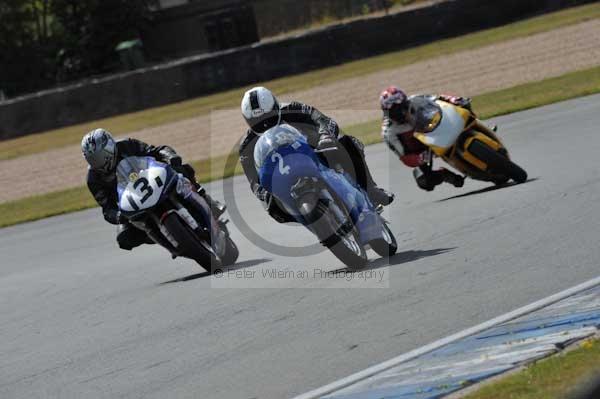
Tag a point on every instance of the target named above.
point(378, 368)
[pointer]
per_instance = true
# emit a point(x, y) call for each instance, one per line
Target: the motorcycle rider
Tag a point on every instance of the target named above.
point(262, 111)
point(397, 132)
point(103, 154)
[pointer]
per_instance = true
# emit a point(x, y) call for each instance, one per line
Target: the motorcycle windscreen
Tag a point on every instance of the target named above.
point(274, 138)
point(140, 182)
point(447, 131)
point(272, 147)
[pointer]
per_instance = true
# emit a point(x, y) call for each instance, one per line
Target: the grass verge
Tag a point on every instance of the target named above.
point(126, 123)
point(501, 102)
point(555, 377)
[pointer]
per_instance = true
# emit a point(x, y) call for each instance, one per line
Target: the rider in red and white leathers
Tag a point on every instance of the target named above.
point(397, 132)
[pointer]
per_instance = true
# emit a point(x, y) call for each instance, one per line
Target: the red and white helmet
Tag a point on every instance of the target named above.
point(391, 96)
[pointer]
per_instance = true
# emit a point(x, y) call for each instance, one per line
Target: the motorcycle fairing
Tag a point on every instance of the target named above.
point(141, 182)
point(283, 157)
point(472, 159)
point(448, 130)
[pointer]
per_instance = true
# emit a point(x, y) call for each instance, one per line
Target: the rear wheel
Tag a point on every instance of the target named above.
point(385, 246)
point(333, 226)
point(190, 245)
point(498, 163)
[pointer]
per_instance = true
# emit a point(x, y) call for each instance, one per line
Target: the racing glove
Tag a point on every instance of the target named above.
point(464, 102)
point(175, 161)
point(113, 216)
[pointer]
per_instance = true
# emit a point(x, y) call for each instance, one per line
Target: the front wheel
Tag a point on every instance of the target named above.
point(498, 163)
point(385, 246)
point(231, 252)
point(189, 244)
point(332, 224)
point(350, 251)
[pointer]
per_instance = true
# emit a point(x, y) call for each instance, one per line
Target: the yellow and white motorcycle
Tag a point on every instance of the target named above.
point(456, 135)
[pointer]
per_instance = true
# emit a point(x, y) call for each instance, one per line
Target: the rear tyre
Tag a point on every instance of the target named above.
point(387, 245)
point(190, 244)
point(333, 226)
point(498, 163)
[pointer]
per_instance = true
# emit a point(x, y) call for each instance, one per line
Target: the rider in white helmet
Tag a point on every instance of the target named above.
point(103, 154)
point(262, 111)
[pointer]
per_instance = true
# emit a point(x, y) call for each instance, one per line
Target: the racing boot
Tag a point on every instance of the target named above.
point(428, 179)
point(379, 196)
point(453, 178)
point(216, 207)
point(356, 153)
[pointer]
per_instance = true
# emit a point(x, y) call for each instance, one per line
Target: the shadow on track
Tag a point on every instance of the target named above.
point(239, 265)
point(399, 258)
point(487, 189)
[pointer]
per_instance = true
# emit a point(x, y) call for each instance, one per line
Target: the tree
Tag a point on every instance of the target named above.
point(42, 41)
point(93, 28)
point(25, 45)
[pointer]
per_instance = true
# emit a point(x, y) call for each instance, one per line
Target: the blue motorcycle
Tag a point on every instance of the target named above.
point(156, 199)
point(325, 199)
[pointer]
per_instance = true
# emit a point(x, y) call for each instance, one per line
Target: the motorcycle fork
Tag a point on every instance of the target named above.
point(428, 166)
point(153, 231)
point(207, 226)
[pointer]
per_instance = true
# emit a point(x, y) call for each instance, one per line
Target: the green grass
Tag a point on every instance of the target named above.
point(79, 198)
point(521, 97)
point(126, 123)
point(41, 206)
point(552, 378)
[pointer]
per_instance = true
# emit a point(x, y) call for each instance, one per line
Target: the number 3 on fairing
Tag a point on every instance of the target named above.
point(283, 168)
point(144, 189)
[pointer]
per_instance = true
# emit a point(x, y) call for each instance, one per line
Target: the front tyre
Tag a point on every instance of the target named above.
point(333, 226)
point(231, 252)
point(385, 246)
point(497, 163)
point(190, 245)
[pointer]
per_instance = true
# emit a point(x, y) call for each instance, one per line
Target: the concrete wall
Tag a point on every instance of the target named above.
point(277, 16)
point(200, 27)
point(196, 76)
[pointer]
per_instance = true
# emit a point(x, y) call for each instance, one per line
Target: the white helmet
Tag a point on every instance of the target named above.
point(99, 150)
point(260, 109)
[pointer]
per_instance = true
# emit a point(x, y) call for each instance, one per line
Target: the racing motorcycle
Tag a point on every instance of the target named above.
point(163, 203)
point(459, 138)
point(326, 200)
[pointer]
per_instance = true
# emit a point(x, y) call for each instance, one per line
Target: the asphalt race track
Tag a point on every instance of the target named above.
point(82, 319)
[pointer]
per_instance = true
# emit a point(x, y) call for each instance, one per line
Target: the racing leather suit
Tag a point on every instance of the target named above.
point(318, 129)
point(103, 187)
point(398, 132)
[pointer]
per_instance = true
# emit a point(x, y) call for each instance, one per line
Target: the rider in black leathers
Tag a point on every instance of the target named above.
point(103, 154)
point(322, 134)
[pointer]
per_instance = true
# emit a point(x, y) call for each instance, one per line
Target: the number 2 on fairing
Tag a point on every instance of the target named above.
point(283, 168)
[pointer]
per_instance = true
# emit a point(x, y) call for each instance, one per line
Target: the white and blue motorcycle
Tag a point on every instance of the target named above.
point(164, 204)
